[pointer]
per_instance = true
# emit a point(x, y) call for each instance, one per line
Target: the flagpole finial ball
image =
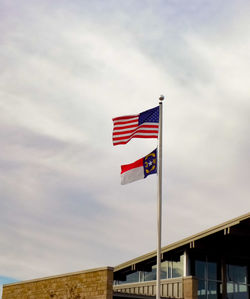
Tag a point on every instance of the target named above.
point(161, 98)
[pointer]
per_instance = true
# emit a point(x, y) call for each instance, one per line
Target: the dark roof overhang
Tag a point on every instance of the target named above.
point(239, 226)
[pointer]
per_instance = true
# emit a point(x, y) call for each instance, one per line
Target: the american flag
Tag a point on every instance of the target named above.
point(142, 125)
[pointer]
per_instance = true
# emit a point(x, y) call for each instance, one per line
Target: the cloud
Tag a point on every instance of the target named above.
point(67, 70)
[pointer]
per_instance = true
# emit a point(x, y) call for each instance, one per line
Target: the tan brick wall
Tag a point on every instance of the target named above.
point(190, 287)
point(90, 284)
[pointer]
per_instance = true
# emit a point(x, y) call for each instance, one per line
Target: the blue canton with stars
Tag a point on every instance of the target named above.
point(150, 163)
point(151, 116)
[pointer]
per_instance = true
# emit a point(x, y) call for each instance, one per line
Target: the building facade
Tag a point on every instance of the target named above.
point(214, 264)
point(90, 284)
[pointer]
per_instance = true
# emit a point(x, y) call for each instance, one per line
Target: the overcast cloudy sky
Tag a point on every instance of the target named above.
point(67, 68)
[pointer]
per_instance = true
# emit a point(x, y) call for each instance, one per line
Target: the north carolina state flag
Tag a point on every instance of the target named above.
point(139, 169)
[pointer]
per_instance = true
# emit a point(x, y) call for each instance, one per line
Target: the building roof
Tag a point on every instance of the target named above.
point(190, 240)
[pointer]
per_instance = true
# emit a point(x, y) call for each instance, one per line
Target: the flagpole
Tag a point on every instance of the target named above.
point(159, 204)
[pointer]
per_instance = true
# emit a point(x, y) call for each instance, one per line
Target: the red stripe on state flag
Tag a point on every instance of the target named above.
point(127, 167)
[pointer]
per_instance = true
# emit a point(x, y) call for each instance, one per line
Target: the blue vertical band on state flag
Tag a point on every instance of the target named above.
point(150, 163)
point(151, 116)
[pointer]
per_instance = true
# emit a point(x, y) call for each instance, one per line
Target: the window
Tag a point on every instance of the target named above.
point(170, 268)
point(133, 277)
point(237, 287)
point(208, 279)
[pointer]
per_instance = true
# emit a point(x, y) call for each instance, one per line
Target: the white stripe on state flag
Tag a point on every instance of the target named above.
point(135, 171)
point(132, 175)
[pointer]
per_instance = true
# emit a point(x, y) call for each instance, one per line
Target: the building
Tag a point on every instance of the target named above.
point(214, 264)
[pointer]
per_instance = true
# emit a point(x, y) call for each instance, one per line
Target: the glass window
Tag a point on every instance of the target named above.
point(208, 283)
point(242, 288)
point(169, 269)
point(237, 287)
point(164, 270)
point(200, 267)
point(201, 288)
point(237, 273)
point(212, 271)
point(133, 277)
point(150, 275)
point(230, 288)
point(178, 268)
point(235, 291)
point(212, 290)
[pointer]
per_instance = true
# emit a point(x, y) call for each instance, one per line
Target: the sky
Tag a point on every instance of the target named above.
point(68, 68)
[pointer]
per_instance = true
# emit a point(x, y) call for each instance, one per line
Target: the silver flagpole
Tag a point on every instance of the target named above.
point(159, 204)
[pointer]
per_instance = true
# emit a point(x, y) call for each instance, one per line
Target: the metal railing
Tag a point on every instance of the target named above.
point(172, 288)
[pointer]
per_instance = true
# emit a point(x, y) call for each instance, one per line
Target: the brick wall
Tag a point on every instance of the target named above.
point(90, 284)
point(190, 287)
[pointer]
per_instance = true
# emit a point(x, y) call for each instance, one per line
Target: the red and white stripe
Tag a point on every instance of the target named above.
point(132, 172)
point(126, 128)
